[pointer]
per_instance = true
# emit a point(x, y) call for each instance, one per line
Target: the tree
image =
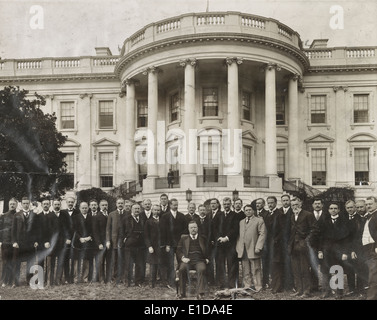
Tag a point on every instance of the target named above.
point(30, 159)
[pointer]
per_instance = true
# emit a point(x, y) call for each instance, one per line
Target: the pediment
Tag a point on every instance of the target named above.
point(319, 138)
point(249, 135)
point(104, 142)
point(174, 134)
point(362, 137)
point(71, 143)
point(280, 138)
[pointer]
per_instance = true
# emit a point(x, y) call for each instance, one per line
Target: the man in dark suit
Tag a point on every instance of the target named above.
point(284, 224)
point(152, 238)
point(334, 245)
point(192, 254)
point(216, 262)
point(261, 211)
point(355, 267)
point(112, 240)
point(273, 248)
point(69, 263)
point(164, 203)
point(303, 229)
point(132, 234)
point(173, 225)
point(82, 242)
point(26, 239)
point(102, 254)
point(237, 204)
point(369, 240)
point(6, 221)
point(316, 264)
point(191, 215)
point(54, 241)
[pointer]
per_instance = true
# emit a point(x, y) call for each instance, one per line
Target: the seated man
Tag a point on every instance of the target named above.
point(192, 254)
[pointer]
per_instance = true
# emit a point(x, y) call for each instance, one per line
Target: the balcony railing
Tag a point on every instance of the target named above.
point(211, 181)
point(162, 183)
point(256, 182)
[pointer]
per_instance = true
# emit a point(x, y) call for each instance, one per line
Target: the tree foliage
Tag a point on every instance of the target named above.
point(30, 159)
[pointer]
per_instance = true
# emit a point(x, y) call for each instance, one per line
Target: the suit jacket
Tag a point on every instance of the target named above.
point(335, 238)
point(284, 223)
point(152, 238)
point(263, 213)
point(216, 226)
point(68, 224)
point(172, 229)
point(230, 228)
point(82, 227)
point(302, 232)
point(144, 216)
point(26, 231)
point(6, 221)
point(112, 228)
point(252, 235)
point(162, 211)
point(205, 227)
point(45, 230)
point(356, 227)
point(373, 227)
point(184, 246)
point(274, 241)
point(56, 233)
point(240, 215)
point(99, 228)
point(133, 232)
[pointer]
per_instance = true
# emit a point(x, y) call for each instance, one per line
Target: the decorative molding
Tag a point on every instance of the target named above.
point(83, 95)
point(151, 69)
point(191, 61)
point(322, 140)
point(125, 83)
point(336, 88)
point(230, 60)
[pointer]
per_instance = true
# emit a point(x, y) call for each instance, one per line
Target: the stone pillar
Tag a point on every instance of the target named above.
point(129, 145)
point(270, 119)
point(293, 141)
point(152, 121)
point(189, 117)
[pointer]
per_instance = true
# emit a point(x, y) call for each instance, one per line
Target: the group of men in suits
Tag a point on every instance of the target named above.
point(282, 249)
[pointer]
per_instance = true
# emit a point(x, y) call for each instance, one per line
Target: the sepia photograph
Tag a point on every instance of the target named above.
point(177, 151)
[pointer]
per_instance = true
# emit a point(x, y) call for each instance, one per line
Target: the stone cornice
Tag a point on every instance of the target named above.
point(242, 39)
point(61, 77)
point(343, 68)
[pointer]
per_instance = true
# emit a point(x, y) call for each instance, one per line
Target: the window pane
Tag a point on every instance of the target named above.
point(106, 169)
point(70, 161)
point(318, 109)
point(106, 114)
point(174, 107)
point(210, 102)
point(210, 175)
point(361, 166)
point(142, 113)
point(360, 108)
point(67, 115)
point(281, 161)
point(319, 167)
point(280, 110)
point(246, 158)
point(246, 105)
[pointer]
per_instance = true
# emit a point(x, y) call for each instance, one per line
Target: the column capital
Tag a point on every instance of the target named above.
point(49, 96)
point(336, 88)
point(125, 83)
point(83, 95)
point(191, 61)
point(230, 60)
point(270, 66)
point(152, 69)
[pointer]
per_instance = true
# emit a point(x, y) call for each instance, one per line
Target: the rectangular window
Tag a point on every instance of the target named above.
point(106, 114)
point(174, 107)
point(70, 161)
point(67, 115)
point(319, 167)
point(211, 162)
point(361, 166)
point(246, 163)
point(360, 108)
point(106, 169)
point(246, 105)
point(210, 102)
point(280, 154)
point(280, 109)
point(318, 109)
point(142, 113)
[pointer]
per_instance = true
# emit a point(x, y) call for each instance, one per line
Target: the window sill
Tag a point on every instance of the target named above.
point(319, 125)
point(366, 124)
point(220, 119)
point(69, 130)
point(106, 130)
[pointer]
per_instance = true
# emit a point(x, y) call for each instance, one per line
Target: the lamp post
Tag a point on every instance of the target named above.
point(188, 195)
point(235, 194)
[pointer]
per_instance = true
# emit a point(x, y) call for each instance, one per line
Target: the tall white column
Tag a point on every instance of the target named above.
point(270, 119)
point(189, 116)
point(234, 119)
point(129, 145)
point(152, 120)
point(293, 141)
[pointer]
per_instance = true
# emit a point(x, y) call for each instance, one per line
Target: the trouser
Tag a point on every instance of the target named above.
point(20, 255)
point(169, 263)
point(134, 256)
point(357, 274)
point(69, 264)
point(55, 267)
point(102, 265)
point(277, 276)
point(315, 270)
point(330, 259)
point(7, 276)
point(251, 272)
point(301, 270)
point(200, 268)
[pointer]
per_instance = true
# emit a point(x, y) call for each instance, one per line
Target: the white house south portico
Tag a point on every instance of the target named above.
point(226, 100)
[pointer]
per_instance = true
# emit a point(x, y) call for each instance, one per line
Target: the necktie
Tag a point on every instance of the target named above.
point(296, 216)
point(201, 220)
point(105, 213)
point(316, 214)
point(333, 220)
point(137, 219)
point(352, 216)
point(26, 214)
point(247, 220)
